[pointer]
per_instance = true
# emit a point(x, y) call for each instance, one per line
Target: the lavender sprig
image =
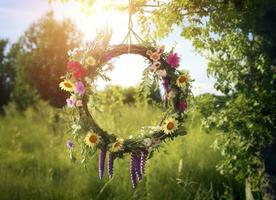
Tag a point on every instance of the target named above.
point(138, 167)
point(102, 156)
point(143, 160)
point(133, 170)
point(110, 165)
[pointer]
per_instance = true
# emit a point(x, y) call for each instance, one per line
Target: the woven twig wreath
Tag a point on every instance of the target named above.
point(86, 65)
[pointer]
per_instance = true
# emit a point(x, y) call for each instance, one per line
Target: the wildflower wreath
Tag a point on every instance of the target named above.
point(92, 61)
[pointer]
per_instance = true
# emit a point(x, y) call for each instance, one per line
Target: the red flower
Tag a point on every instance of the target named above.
point(76, 68)
point(182, 106)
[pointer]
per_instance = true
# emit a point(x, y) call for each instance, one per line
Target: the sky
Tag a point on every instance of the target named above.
point(16, 16)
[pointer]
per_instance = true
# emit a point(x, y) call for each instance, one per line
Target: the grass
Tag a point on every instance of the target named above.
point(34, 161)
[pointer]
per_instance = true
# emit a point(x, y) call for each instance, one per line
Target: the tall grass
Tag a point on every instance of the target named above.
point(34, 161)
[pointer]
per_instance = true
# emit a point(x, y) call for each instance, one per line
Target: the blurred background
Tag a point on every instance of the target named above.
point(35, 36)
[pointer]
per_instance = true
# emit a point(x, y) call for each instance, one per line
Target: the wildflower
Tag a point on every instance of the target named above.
point(155, 56)
point(67, 85)
point(90, 61)
point(155, 66)
point(133, 161)
point(183, 80)
point(117, 145)
point(79, 103)
point(162, 73)
point(76, 68)
point(70, 144)
point(71, 101)
point(173, 60)
point(181, 106)
point(110, 165)
point(171, 95)
point(102, 156)
point(170, 125)
point(80, 89)
point(165, 84)
point(92, 139)
point(144, 156)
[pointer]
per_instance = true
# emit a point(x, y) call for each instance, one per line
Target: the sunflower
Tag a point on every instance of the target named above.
point(92, 139)
point(67, 85)
point(183, 80)
point(117, 145)
point(90, 61)
point(170, 125)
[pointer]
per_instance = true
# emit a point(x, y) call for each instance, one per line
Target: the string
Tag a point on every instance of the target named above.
point(128, 37)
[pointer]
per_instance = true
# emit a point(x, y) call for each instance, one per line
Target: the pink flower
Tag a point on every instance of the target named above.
point(182, 106)
point(71, 102)
point(173, 60)
point(80, 88)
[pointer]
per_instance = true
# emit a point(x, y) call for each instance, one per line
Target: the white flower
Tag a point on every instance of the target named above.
point(147, 142)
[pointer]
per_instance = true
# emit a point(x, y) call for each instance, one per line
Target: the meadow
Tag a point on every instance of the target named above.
point(34, 161)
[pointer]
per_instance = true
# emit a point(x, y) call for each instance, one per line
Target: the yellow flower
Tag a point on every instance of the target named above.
point(67, 85)
point(170, 125)
point(183, 80)
point(90, 61)
point(117, 145)
point(92, 139)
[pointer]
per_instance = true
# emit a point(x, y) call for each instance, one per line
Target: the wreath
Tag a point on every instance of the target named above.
point(93, 60)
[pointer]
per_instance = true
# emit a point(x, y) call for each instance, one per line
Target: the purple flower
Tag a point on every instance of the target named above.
point(173, 60)
point(133, 170)
point(182, 106)
point(110, 165)
point(80, 88)
point(138, 167)
point(70, 102)
point(102, 156)
point(165, 84)
point(70, 144)
point(144, 156)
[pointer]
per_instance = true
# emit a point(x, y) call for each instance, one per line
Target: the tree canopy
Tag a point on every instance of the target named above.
point(42, 59)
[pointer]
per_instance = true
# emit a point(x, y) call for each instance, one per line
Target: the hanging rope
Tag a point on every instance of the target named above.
point(128, 37)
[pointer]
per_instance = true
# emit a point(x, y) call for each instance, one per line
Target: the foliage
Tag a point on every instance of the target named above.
point(34, 160)
point(7, 73)
point(238, 38)
point(41, 60)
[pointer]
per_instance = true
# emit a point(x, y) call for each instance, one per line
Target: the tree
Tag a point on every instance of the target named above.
point(7, 73)
point(239, 39)
point(42, 59)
